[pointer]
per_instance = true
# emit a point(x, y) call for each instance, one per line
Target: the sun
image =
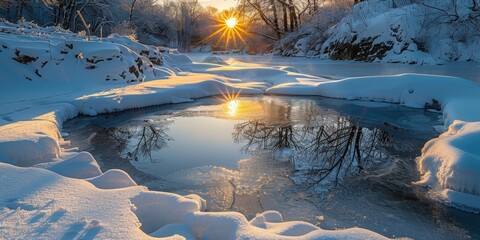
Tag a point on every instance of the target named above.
point(232, 107)
point(229, 29)
point(231, 22)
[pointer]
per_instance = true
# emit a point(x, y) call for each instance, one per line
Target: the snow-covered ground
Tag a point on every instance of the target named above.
point(52, 191)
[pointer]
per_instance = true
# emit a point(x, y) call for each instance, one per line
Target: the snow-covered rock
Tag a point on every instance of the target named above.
point(215, 59)
point(394, 31)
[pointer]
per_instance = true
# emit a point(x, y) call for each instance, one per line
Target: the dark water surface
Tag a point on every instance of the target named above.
point(334, 163)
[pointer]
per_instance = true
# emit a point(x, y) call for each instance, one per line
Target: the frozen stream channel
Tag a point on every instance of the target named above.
point(343, 69)
point(334, 163)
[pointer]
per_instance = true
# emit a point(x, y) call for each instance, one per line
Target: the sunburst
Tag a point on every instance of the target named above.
point(229, 98)
point(229, 29)
point(228, 95)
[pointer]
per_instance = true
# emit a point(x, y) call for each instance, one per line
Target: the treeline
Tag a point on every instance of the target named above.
point(173, 23)
point(178, 23)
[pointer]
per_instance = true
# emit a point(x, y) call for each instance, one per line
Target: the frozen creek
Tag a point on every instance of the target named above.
point(268, 153)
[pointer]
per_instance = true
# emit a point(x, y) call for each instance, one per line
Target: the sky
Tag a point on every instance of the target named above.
point(219, 4)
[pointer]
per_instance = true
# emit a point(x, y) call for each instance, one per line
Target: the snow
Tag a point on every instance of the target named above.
point(81, 165)
point(46, 205)
point(451, 164)
point(39, 137)
point(53, 192)
point(411, 90)
point(113, 178)
point(389, 31)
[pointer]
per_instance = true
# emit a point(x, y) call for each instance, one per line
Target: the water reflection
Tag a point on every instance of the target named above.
point(139, 141)
point(321, 149)
point(232, 107)
point(323, 146)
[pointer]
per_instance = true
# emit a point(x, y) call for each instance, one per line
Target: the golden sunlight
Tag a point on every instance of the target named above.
point(229, 30)
point(231, 22)
point(230, 100)
point(228, 96)
point(232, 107)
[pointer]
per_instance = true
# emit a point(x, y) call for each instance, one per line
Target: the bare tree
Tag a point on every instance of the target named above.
point(462, 16)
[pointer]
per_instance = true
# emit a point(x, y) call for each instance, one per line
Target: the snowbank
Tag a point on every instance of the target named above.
point(80, 165)
point(411, 90)
point(26, 143)
point(43, 204)
point(451, 164)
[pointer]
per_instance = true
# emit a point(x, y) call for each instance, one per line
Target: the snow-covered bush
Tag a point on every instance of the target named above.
point(125, 29)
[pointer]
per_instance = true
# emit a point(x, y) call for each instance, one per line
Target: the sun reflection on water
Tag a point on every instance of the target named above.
point(232, 108)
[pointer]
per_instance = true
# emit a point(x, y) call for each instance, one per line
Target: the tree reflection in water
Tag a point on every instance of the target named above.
point(323, 151)
point(325, 146)
point(140, 140)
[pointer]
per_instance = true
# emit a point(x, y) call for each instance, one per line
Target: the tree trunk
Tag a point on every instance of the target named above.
point(285, 18)
point(56, 20)
point(275, 19)
point(19, 10)
point(292, 23)
point(131, 12)
point(293, 15)
point(69, 12)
